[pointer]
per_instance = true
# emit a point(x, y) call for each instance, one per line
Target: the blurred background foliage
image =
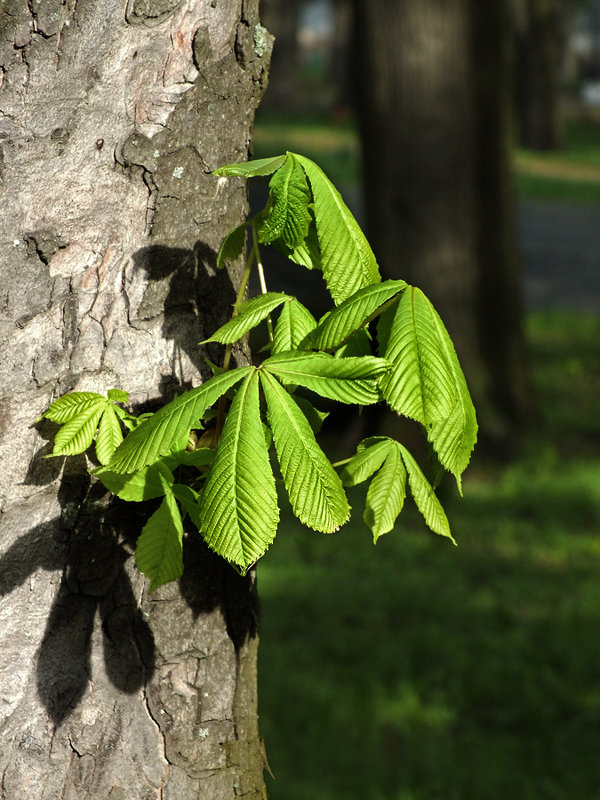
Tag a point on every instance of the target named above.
point(414, 670)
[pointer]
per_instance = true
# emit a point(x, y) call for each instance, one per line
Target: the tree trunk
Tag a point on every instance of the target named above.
point(111, 119)
point(540, 42)
point(425, 175)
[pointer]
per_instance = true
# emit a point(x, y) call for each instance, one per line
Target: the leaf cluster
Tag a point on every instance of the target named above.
point(382, 341)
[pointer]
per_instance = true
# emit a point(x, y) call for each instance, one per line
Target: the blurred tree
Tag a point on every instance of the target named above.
point(434, 104)
point(541, 33)
point(281, 17)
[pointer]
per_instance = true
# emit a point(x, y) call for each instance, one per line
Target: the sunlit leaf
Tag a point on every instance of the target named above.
point(159, 549)
point(314, 488)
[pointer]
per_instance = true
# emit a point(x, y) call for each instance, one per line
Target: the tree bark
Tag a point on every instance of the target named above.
point(112, 116)
point(424, 125)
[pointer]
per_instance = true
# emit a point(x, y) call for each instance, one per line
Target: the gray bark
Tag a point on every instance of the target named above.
point(112, 115)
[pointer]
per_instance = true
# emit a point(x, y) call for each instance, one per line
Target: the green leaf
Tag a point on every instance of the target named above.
point(424, 496)
point(421, 384)
point(314, 415)
point(159, 550)
point(188, 499)
point(314, 488)
point(232, 245)
point(70, 406)
point(351, 315)
point(348, 262)
point(251, 169)
point(201, 457)
point(145, 484)
point(109, 435)
point(358, 345)
point(386, 494)
point(118, 396)
point(77, 435)
point(454, 438)
point(251, 314)
point(156, 436)
point(288, 216)
point(370, 455)
point(306, 253)
point(348, 380)
point(293, 325)
point(239, 510)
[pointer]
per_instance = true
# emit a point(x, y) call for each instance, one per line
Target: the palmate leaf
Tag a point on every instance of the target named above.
point(251, 169)
point(348, 380)
point(351, 315)
point(294, 323)
point(385, 498)
point(386, 494)
point(157, 435)
point(159, 549)
point(347, 260)
point(70, 406)
point(251, 314)
point(314, 488)
point(77, 435)
point(239, 511)
point(306, 253)
point(288, 217)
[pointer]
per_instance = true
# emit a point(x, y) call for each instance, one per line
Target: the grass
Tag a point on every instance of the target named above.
point(414, 670)
point(571, 175)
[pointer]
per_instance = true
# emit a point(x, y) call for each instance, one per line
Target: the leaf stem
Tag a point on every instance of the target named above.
point(261, 276)
point(228, 348)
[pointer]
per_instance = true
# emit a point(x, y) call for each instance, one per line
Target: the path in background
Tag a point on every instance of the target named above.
point(561, 255)
point(560, 246)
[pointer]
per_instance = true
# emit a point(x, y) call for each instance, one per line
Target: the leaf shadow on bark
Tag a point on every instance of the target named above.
point(194, 299)
point(95, 534)
point(89, 543)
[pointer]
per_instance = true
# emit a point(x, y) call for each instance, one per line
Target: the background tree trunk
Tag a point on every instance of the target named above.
point(540, 41)
point(112, 116)
point(424, 125)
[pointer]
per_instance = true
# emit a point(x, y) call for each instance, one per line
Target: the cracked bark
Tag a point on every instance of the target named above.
point(112, 116)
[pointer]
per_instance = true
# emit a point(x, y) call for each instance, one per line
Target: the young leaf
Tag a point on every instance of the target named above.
point(348, 262)
point(424, 496)
point(251, 169)
point(349, 380)
point(454, 438)
point(109, 435)
point(313, 486)
point(159, 549)
point(288, 216)
point(232, 245)
point(156, 436)
point(239, 510)
point(70, 406)
point(251, 313)
point(370, 455)
point(77, 435)
point(421, 384)
point(118, 396)
point(294, 323)
point(306, 253)
point(386, 494)
point(351, 315)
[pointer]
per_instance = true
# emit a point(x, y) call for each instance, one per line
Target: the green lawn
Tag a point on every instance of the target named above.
point(415, 670)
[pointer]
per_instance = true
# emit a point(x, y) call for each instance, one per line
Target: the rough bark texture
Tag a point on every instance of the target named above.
point(112, 115)
point(425, 128)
